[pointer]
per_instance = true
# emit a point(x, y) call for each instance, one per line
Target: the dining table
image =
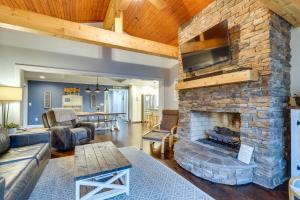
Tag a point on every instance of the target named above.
point(108, 118)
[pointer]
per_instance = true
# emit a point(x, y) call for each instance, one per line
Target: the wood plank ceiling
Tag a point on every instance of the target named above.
point(141, 19)
point(72, 10)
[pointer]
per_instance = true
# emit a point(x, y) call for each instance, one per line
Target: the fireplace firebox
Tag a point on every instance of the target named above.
point(222, 138)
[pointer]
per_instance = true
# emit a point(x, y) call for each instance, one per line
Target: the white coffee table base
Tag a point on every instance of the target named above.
point(106, 181)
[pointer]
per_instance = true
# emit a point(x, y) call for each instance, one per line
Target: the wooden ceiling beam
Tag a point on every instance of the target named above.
point(114, 14)
point(118, 26)
point(287, 9)
point(202, 37)
point(27, 21)
point(111, 14)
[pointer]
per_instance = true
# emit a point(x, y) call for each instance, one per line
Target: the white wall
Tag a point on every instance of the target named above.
point(10, 76)
point(63, 46)
point(295, 61)
point(171, 94)
point(136, 92)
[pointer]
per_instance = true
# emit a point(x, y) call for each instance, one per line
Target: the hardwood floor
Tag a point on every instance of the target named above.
point(130, 135)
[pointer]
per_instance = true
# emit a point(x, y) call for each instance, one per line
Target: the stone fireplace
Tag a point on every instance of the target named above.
point(259, 40)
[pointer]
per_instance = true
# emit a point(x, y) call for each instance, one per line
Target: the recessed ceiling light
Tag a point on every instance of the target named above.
point(42, 77)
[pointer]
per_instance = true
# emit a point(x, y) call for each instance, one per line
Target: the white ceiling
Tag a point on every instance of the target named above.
point(73, 78)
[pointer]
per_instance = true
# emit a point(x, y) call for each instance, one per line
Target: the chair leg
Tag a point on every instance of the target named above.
point(162, 155)
point(151, 144)
point(141, 145)
point(170, 142)
point(163, 147)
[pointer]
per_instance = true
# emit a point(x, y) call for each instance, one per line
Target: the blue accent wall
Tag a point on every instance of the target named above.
point(36, 91)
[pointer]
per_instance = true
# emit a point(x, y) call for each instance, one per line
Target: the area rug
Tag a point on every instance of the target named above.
point(149, 180)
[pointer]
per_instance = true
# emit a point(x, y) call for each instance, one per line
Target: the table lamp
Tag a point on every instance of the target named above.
point(8, 95)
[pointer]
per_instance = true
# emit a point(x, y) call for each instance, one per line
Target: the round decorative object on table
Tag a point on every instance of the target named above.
point(4, 142)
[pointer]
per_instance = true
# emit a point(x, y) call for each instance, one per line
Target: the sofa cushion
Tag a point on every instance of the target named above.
point(22, 153)
point(28, 138)
point(80, 133)
point(19, 178)
point(11, 171)
point(2, 188)
point(4, 142)
point(156, 135)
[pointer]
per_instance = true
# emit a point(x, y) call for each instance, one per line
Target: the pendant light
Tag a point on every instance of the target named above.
point(97, 90)
point(88, 90)
point(106, 90)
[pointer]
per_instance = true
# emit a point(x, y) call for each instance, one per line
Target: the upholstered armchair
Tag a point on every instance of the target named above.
point(66, 132)
point(166, 129)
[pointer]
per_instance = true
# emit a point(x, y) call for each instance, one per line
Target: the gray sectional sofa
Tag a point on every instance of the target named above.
point(22, 163)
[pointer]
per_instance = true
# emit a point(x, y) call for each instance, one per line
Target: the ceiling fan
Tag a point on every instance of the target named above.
point(159, 4)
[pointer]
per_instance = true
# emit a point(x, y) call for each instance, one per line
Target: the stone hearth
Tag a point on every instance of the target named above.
point(259, 40)
point(213, 165)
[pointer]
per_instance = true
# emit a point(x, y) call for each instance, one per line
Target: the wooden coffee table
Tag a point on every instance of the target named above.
point(102, 167)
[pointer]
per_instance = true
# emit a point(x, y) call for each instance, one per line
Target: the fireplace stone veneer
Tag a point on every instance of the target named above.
point(213, 165)
point(259, 40)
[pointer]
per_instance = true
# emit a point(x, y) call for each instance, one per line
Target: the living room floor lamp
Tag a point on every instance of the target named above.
point(7, 96)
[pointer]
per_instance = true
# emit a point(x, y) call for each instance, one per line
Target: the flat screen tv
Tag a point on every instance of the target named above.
point(207, 49)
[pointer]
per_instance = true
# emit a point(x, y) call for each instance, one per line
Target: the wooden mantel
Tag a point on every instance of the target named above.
point(234, 77)
point(31, 22)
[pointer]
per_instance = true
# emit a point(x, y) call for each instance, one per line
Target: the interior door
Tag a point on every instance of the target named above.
point(118, 99)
